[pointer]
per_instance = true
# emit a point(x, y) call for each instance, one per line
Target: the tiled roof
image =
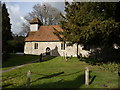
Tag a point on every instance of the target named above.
point(45, 33)
point(30, 36)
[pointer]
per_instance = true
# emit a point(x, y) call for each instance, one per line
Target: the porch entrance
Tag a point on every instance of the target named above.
point(47, 51)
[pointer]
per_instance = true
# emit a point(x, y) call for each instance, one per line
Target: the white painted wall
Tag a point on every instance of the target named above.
point(34, 27)
point(55, 49)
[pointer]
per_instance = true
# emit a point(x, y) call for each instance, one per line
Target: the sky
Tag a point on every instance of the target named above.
point(17, 11)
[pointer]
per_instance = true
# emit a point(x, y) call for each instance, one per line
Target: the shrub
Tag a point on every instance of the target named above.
point(111, 66)
point(93, 61)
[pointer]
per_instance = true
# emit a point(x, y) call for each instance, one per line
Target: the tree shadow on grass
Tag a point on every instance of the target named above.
point(76, 83)
point(53, 75)
point(17, 60)
point(48, 76)
point(93, 78)
point(47, 58)
point(61, 83)
point(6, 85)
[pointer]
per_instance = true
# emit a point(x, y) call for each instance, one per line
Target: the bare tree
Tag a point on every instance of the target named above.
point(45, 12)
point(25, 29)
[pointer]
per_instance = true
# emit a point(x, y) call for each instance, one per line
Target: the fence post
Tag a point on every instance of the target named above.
point(87, 76)
point(28, 79)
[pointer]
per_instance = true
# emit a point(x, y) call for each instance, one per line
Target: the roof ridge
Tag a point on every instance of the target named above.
point(50, 25)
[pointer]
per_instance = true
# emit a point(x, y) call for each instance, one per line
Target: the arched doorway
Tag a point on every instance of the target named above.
point(47, 51)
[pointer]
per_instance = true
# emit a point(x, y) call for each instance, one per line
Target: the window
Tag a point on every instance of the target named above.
point(62, 46)
point(36, 46)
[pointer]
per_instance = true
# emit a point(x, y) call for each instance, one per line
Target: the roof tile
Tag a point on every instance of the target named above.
point(45, 33)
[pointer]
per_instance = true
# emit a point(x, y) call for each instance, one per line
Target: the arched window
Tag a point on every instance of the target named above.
point(47, 51)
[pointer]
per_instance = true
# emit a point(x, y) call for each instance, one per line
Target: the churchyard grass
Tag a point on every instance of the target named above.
point(16, 60)
point(55, 72)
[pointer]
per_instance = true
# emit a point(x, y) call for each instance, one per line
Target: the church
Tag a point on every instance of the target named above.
point(42, 40)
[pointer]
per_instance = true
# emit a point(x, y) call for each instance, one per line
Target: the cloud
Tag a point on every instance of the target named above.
point(22, 18)
point(58, 5)
point(15, 18)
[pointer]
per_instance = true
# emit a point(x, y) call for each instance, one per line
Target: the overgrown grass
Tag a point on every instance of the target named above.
point(111, 66)
point(55, 72)
point(15, 60)
point(106, 65)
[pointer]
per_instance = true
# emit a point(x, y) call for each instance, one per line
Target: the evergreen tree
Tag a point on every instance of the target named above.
point(89, 23)
point(6, 29)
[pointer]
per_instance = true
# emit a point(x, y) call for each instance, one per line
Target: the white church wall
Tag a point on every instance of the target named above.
point(33, 27)
point(55, 48)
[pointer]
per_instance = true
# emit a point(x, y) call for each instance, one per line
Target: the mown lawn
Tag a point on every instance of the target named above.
point(55, 72)
point(15, 60)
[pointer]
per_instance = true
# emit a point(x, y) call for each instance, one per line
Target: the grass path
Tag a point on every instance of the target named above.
point(55, 72)
point(17, 60)
point(19, 66)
